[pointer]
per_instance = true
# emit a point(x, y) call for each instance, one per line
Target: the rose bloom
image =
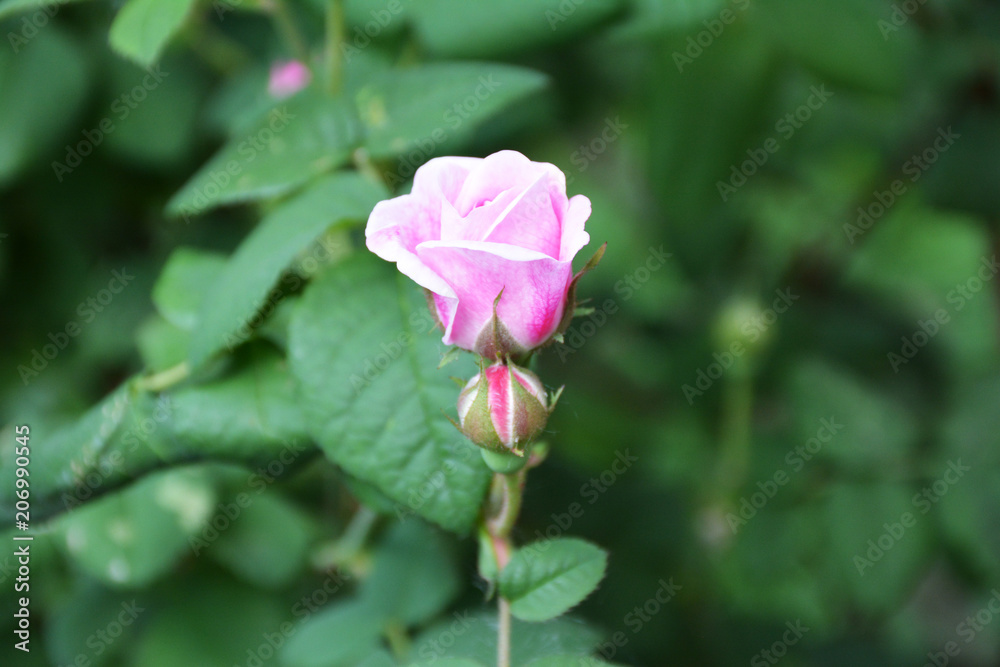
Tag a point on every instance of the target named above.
point(472, 227)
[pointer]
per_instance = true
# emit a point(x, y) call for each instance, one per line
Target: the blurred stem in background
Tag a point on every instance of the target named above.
point(335, 30)
point(737, 407)
point(284, 23)
point(741, 351)
point(219, 51)
point(344, 551)
point(164, 379)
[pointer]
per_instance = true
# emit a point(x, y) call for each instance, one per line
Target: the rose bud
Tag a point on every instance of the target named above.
point(287, 78)
point(503, 408)
point(492, 240)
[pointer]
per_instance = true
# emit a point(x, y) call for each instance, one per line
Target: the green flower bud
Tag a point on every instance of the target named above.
point(503, 408)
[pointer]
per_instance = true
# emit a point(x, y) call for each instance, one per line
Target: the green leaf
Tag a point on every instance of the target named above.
point(260, 560)
point(568, 661)
point(378, 658)
point(342, 634)
point(929, 264)
point(763, 573)
point(443, 26)
point(142, 28)
point(437, 105)
point(228, 621)
point(414, 576)
point(305, 136)
point(691, 119)
point(364, 351)
point(55, 71)
point(161, 344)
point(968, 510)
point(245, 284)
point(812, 33)
point(251, 414)
point(839, 417)
point(46, 7)
point(646, 16)
point(154, 128)
point(135, 536)
point(72, 623)
point(955, 181)
point(111, 443)
point(862, 520)
point(548, 578)
point(181, 287)
point(473, 636)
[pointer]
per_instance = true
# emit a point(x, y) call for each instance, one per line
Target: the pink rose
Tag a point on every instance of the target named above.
point(288, 78)
point(472, 227)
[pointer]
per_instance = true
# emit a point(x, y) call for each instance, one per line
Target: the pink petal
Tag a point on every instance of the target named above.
point(534, 288)
point(501, 401)
point(477, 223)
point(395, 228)
point(530, 221)
point(443, 177)
point(573, 236)
point(531, 383)
point(505, 170)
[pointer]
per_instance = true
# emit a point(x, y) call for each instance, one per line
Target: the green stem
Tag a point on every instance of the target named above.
point(284, 22)
point(335, 31)
point(399, 640)
point(737, 412)
point(364, 164)
point(503, 634)
point(357, 531)
point(164, 379)
point(510, 488)
point(344, 550)
point(513, 487)
point(223, 54)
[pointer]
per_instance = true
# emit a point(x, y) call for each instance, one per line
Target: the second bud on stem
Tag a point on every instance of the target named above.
point(503, 408)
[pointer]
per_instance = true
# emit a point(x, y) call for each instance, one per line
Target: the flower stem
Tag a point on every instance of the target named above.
point(356, 533)
point(164, 379)
point(503, 633)
point(220, 52)
point(335, 27)
point(399, 641)
point(510, 504)
point(284, 22)
point(737, 413)
point(506, 505)
point(343, 552)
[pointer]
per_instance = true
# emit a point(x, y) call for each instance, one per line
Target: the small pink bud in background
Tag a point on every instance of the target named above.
point(503, 408)
point(288, 78)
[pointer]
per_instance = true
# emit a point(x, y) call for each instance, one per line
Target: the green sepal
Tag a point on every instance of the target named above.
point(478, 423)
point(504, 463)
point(555, 398)
point(570, 311)
point(531, 415)
point(451, 355)
point(495, 341)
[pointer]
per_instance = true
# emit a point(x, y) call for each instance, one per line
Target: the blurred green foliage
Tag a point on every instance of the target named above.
point(782, 413)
